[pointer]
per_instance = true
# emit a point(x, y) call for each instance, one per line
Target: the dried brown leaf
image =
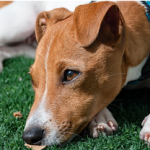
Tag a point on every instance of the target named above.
point(17, 114)
point(35, 147)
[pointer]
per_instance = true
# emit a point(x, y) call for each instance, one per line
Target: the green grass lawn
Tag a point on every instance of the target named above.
point(16, 94)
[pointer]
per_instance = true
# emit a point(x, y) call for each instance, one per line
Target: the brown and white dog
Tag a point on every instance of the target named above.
point(82, 62)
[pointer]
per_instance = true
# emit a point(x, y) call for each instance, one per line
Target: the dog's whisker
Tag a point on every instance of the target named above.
point(72, 134)
point(116, 106)
point(64, 136)
point(69, 117)
point(116, 74)
point(118, 100)
point(67, 128)
point(66, 141)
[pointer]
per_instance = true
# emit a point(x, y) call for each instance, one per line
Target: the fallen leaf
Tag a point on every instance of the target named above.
point(34, 147)
point(17, 114)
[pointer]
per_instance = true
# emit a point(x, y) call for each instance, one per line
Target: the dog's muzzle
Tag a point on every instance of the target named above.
point(33, 136)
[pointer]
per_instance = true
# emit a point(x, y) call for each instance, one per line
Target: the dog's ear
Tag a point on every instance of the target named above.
point(102, 18)
point(47, 18)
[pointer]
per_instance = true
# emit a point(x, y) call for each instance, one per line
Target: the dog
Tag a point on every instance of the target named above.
point(83, 60)
point(100, 40)
point(17, 27)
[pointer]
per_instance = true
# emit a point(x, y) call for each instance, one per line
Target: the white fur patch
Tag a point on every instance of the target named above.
point(43, 118)
point(40, 116)
point(134, 73)
point(142, 5)
point(146, 128)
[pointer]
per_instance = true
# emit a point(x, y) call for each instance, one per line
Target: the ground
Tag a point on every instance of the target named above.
point(16, 94)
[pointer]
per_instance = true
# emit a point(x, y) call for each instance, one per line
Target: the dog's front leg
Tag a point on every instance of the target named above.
point(103, 123)
point(145, 132)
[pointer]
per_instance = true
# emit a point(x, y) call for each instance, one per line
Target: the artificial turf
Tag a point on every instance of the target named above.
point(16, 94)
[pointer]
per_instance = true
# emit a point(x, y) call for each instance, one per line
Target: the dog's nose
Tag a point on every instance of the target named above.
point(33, 136)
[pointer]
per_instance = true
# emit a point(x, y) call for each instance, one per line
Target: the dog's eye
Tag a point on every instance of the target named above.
point(70, 75)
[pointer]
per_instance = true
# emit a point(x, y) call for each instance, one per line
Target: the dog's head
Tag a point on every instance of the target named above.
point(77, 70)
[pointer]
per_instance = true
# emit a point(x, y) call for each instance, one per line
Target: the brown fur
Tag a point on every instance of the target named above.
point(87, 41)
point(4, 3)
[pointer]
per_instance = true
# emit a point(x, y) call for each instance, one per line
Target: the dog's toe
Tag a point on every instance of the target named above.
point(113, 126)
point(102, 124)
point(101, 129)
point(146, 138)
point(106, 129)
point(145, 132)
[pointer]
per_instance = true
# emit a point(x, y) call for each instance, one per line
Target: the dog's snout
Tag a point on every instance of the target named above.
point(33, 136)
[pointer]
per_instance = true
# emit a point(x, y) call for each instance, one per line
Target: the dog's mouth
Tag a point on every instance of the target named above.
point(59, 135)
point(34, 139)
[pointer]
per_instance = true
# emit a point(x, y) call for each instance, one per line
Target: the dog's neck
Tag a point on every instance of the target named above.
point(134, 73)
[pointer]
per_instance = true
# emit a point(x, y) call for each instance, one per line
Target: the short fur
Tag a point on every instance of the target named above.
point(101, 41)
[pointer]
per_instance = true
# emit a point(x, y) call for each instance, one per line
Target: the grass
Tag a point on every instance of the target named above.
point(16, 94)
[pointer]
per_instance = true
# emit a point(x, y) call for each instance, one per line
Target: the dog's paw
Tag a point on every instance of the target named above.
point(145, 132)
point(102, 124)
